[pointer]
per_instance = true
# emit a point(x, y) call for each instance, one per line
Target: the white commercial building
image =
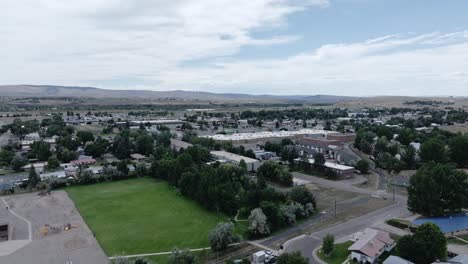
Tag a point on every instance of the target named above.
point(252, 164)
point(268, 135)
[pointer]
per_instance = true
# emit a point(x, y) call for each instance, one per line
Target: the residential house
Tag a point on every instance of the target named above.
point(396, 260)
point(138, 157)
point(370, 244)
point(51, 175)
point(38, 167)
point(32, 136)
point(83, 160)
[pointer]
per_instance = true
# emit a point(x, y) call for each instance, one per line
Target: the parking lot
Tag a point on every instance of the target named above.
point(57, 232)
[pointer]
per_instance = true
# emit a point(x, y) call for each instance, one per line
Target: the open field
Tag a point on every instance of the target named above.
point(338, 255)
point(326, 196)
point(458, 128)
point(142, 216)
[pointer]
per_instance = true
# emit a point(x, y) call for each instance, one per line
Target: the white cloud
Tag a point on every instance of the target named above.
point(429, 64)
point(65, 41)
point(91, 42)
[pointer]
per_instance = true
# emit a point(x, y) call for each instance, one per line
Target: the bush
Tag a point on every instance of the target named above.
point(362, 166)
point(328, 244)
point(401, 225)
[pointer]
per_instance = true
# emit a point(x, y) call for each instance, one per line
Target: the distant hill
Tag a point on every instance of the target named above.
point(48, 91)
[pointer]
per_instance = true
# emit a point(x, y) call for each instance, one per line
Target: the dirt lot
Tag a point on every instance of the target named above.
point(326, 196)
point(50, 243)
point(372, 182)
point(458, 128)
point(346, 213)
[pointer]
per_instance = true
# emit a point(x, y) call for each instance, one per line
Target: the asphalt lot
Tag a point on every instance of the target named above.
point(56, 246)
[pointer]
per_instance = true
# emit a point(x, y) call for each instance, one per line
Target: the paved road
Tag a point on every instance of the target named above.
point(324, 214)
point(382, 176)
point(307, 243)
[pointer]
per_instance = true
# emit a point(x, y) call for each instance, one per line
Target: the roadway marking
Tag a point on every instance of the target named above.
point(20, 217)
point(164, 253)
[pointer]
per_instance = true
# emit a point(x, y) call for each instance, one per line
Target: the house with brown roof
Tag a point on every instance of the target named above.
point(370, 244)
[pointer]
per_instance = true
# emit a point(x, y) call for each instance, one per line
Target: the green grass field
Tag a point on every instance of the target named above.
point(142, 216)
point(338, 255)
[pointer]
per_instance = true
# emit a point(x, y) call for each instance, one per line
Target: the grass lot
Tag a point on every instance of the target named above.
point(142, 216)
point(339, 254)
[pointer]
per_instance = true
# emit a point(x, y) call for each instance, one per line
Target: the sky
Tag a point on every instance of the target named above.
point(284, 47)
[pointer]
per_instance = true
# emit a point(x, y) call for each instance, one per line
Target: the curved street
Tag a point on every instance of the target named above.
point(306, 243)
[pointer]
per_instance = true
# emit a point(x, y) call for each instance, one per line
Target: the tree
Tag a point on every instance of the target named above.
point(41, 150)
point(328, 244)
point(301, 195)
point(319, 160)
point(243, 165)
point(144, 144)
point(275, 172)
point(362, 166)
point(406, 247)
point(381, 146)
point(53, 163)
point(122, 167)
point(221, 236)
point(258, 225)
point(389, 163)
point(121, 145)
point(86, 177)
point(33, 178)
point(6, 156)
point(18, 162)
point(408, 157)
point(427, 245)
point(292, 258)
point(272, 213)
point(97, 148)
point(458, 146)
point(181, 257)
point(364, 141)
point(85, 136)
point(65, 155)
point(433, 150)
point(438, 189)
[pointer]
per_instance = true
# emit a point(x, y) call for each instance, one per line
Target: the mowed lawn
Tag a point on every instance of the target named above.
point(142, 216)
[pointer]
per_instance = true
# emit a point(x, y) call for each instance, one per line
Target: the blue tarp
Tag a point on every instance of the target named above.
point(447, 223)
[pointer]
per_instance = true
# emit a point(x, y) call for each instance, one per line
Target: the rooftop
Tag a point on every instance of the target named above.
point(232, 156)
point(371, 242)
point(267, 134)
point(331, 165)
point(446, 223)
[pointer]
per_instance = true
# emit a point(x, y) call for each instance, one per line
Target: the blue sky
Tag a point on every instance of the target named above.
point(344, 47)
point(345, 21)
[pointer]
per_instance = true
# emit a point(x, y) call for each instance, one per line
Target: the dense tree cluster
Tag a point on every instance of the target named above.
point(438, 189)
point(275, 172)
point(427, 245)
point(20, 127)
point(226, 188)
